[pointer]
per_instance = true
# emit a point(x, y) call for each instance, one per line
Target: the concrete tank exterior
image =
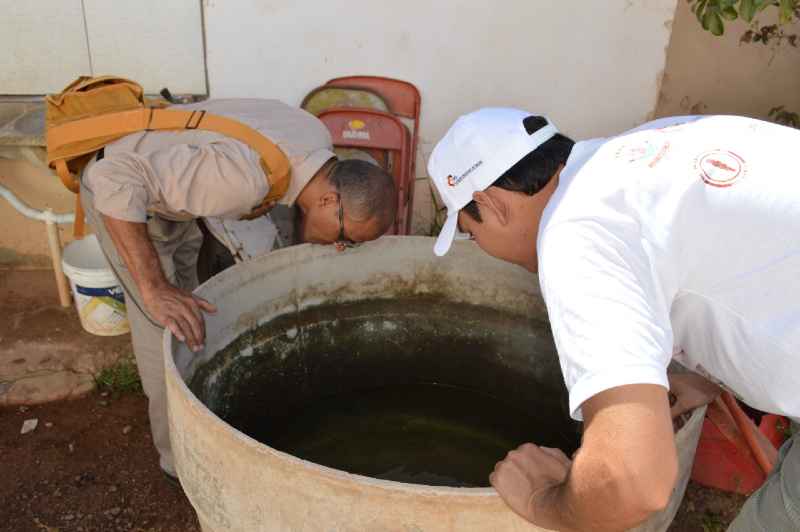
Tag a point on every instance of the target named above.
point(236, 483)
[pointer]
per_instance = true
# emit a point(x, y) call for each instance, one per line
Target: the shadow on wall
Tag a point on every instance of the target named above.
point(10, 258)
point(23, 242)
point(706, 74)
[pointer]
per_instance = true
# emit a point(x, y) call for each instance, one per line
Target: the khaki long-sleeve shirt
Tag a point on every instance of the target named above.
point(190, 174)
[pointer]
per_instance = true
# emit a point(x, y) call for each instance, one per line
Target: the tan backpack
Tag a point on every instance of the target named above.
point(94, 111)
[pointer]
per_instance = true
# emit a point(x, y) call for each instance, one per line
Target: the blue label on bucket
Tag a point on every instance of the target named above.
point(114, 292)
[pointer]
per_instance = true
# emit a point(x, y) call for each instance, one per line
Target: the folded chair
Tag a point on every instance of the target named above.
point(377, 133)
point(403, 99)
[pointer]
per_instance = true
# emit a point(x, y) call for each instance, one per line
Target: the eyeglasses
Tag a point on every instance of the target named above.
point(343, 241)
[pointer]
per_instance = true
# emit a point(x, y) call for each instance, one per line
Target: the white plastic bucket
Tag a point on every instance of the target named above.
point(98, 296)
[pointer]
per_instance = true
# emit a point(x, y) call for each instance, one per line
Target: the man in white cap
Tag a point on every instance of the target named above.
point(677, 240)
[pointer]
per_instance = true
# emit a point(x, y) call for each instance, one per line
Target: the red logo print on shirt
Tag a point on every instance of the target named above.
point(643, 152)
point(721, 168)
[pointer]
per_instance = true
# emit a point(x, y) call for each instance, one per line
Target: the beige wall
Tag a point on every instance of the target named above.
point(593, 66)
point(704, 74)
point(23, 242)
point(716, 75)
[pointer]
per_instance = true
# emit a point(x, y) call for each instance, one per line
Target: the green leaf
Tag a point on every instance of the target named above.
point(730, 13)
point(700, 8)
point(747, 10)
point(705, 20)
point(787, 11)
point(775, 110)
point(713, 22)
point(761, 5)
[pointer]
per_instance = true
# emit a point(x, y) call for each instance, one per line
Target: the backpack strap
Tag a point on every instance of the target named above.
point(74, 185)
point(115, 125)
point(79, 226)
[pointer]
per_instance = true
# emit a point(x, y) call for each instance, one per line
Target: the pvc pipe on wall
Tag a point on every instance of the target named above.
point(55, 254)
point(34, 214)
point(51, 220)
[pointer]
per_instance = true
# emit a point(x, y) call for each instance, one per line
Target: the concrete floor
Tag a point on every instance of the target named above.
point(44, 353)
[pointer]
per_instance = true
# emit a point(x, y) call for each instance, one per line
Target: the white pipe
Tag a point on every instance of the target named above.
point(33, 214)
point(50, 219)
point(55, 254)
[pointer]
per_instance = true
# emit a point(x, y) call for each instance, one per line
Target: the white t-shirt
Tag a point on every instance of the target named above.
point(678, 239)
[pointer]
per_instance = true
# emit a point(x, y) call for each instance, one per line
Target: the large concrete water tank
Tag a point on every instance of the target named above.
point(237, 483)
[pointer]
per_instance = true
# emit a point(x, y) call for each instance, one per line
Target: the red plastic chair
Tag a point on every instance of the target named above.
point(403, 97)
point(338, 97)
point(327, 97)
point(375, 132)
point(404, 100)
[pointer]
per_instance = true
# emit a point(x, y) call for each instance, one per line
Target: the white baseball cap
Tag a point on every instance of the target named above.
point(477, 149)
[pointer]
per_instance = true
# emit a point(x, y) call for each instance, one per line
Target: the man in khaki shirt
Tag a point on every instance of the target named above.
point(144, 192)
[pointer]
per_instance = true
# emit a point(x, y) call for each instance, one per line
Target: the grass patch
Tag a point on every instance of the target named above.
point(121, 378)
point(439, 212)
point(713, 523)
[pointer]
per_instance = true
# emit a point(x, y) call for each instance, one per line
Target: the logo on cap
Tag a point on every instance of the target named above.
point(721, 168)
point(453, 181)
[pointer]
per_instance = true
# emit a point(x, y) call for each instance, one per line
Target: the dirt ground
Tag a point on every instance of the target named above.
point(93, 469)
point(90, 466)
point(45, 355)
point(29, 298)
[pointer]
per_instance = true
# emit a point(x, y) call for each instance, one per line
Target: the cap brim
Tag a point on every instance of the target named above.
point(447, 235)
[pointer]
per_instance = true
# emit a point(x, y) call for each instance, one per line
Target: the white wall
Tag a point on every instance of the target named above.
point(158, 43)
point(593, 66)
point(42, 45)
point(45, 44)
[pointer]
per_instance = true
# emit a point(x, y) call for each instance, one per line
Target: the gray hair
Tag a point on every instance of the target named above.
point(367, 191)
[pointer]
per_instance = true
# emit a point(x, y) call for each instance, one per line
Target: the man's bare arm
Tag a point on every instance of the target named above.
point(691, 391)
point(624, 471)
point(172, 307)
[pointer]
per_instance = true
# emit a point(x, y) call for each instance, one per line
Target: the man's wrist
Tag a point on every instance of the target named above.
point(544, 507)
point(152, 286)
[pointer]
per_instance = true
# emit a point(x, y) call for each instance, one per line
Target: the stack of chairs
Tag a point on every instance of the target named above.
point(375, 119)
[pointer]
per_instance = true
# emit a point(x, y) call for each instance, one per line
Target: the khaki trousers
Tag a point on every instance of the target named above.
point(775, 507)
point(177, 245)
